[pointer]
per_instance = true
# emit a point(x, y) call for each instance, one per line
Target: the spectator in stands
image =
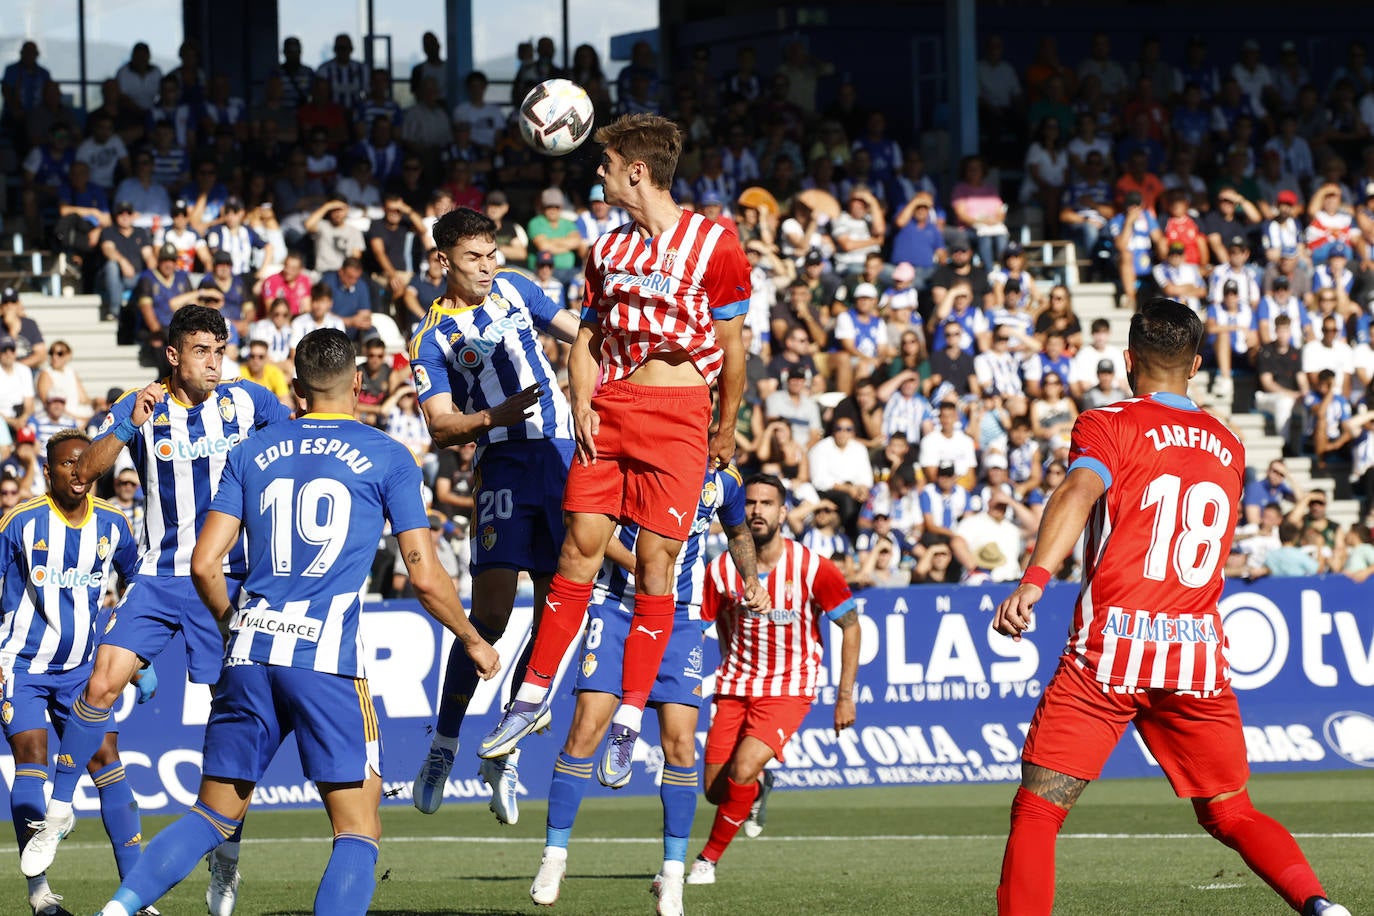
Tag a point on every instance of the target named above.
point(857, 231)
point(1273, 488)
point(1253, 542)
point(31, 351)
point(1059, 317)
point(948, 444)
point(1181, 228)
point(776, 444)
point(1335, 278)
point(352, 301)
point(1282, 383)
point(960, 270)
point(1359, 553)
point(104, 151)
point(46, 168)
point(319, 315)
point(1137, 179)
point(347, 78)
point(23, 465)
point(864, 409)
point(1282, 231)
point(242, 244)
point(951, 368)
point(161, 290)
point(16, 387)
point(999, 370)
point(919, 241)
point(261, 369)
point(1087, 359)
point(1180, 280)
point(880, 566)
point(360, 188)
point(230, 291)
point(9, 488)
point(1109, 389)
point(999, 88)
point(979, 208)
point(549, 231)
point(128, 250)
point(1137, 238)
point(53, 418)
point(392, 243)
point(423, 290)
point(1087, 206)
point(1329, 353)
point(1331, 222)
point(793, 403)
point(275, 331)
point(426, 127)
point(1053, 412)
point(992, 540)
point(906, 411)
point(1289, 558)
point(1231, 336)
point(336, 239)
point(860, 334)
point(1327, 411)
point(60, 378)
point(152, 205)
point(936, 566)
point(21, 87)
point(841, 472)
point(943, 502)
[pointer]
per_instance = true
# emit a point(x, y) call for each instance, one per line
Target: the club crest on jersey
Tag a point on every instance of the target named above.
point(589, 664)
point(102, 549)
point(226, 409)
point(788, 591)
point(109, 624)
point(669, 259)
point(693, 668)
point(488, 537)
point(6, 712)
point(709, 493)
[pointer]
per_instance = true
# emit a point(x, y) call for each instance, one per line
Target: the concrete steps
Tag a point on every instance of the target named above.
point(98, 359)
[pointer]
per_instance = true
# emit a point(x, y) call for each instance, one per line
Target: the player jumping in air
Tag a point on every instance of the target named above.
point(1155, 483)
point(665, 299)
point(179, 432)
point(676, 692)
point(481, 374)
point(58, 552)
point(770, 662)
point(312, 495)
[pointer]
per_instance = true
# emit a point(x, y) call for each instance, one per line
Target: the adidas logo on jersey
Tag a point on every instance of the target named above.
point(40, 544)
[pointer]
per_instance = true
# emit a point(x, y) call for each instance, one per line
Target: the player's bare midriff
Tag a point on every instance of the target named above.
point(667, 368)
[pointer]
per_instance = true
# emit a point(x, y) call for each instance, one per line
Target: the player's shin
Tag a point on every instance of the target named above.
point(350, 878)
point(171, 855)
point(559, 625)
point(1265, 845)
point(26, 799)
point(460, 681)
point(84, 734)
point(729, 817)
point(650, 629)
point(678, 792)
point(1027, 884)
point(571, 776)
point(119, 813)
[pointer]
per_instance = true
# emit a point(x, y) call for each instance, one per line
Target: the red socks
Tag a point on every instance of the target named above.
point(732, 813)
point(1265, 845)
point(1027, 885)
point(644, 647)
point(559, 625)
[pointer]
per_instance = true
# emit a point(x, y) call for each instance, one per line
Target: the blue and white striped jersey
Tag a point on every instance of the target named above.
point(54, 577)
point(179, 454)
point(313, 495)
point(722, 493)
point(482, 355)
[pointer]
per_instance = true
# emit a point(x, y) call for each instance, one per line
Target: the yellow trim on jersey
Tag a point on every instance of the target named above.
point(329, 416)
point(431, 319)
point(370, 732)
point(734, 472)
point(26, 504)
point(130, 391)
point(90, 512)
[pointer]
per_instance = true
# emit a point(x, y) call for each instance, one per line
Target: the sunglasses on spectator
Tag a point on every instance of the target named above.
point(60, 352)
point(844, 428)
point(9, 492)
point(126, 483)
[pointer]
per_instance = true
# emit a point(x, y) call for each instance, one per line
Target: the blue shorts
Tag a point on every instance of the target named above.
point(155, 608)
point(29, 696)
point(603, 655)
point(517, 522)
point(257, 706)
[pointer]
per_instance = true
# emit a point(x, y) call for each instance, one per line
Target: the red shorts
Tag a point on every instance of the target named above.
point(1197, 740)
point(651, 448)
point(772, 720)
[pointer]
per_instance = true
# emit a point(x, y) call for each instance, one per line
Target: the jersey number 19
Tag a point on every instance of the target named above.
point(317, 513)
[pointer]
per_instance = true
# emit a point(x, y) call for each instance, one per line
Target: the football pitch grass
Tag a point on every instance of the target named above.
point(1130, 847)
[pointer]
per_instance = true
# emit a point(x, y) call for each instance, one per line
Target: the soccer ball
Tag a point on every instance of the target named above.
point(556, 117)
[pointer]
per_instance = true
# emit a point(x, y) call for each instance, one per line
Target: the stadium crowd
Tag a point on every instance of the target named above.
point(910, 376)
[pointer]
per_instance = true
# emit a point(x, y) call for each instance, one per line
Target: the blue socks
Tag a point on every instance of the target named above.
point(172, 854)
point(350, 878)
point(85, 731)
point(460, 680)
point(26, 799)
point(119, 812)
point(678, 792)
point(571, 776)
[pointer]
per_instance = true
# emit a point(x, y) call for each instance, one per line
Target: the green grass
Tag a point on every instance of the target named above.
point(1129, 848)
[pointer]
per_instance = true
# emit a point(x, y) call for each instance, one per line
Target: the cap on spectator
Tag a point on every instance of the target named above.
point(8, 343)
point(1237, 241)
point(179, 207)
point(1288, 251)
point(1369, 190)
point(989, 556)
point(946, 469)
point(865, 291)
point(800, 372)
point(1106, 365)
point(114, 394)
point(598, 192)
point(1012, 250)
point(1231, 287)
point(923, 200)
point(10, 294)
point(25, 433)
point(1339, 250)
point(995, 460)
point(711, 199)
point(545, 259)
point(123, 206)
point(1177, 248)
point(1280, 282)
point(233, 202)
point(57, 396)
point(814, 257)
point(903, 273)
point(168, 252)
point(497, 199)
point(551, 197)
point(1287, 197)
point(223, 257)
point(958, 243)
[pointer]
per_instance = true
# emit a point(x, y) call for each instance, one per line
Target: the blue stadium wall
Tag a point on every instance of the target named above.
point(941, 698)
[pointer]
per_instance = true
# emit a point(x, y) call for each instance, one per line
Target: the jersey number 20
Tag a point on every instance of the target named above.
point(1188, 530)
point(318, 514)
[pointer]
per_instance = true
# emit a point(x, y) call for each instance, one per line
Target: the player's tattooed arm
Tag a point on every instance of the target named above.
point(845, 712)
point(741, 546)
point(1054, 787)
point(413, 557)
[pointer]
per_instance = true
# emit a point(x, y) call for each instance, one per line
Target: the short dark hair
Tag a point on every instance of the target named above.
point(64, 435)
point(459, 224)
point(1283, 321)
point(1101, 324)
point(1165, 333)
point(190, 319)
point(1289, 532)
point(322, 357)
point(321, 290)
point(768, 480)
point(352, 263)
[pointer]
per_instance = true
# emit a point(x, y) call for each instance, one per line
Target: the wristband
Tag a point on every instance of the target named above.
point(125, 430)
point(1038, 576)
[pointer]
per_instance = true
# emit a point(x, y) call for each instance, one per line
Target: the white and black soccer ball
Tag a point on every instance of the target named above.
point(556, 117)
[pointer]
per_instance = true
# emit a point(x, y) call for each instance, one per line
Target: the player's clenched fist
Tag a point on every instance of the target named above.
point(145, 401)
point(1014, 613)
point(486, 659)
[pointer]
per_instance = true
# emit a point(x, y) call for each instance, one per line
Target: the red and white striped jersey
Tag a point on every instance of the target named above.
point(663, 294)
point(775, 653)
point(1157, 542)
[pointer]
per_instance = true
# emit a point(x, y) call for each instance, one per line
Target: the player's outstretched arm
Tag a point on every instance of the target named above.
point(849, 670)
point(565, 325)
point(439, 598)
point(102, 454)
point(1066, 515)
point(741, 547)
point(450, 426)
point(217, 535)
point(584, 371)
point(730, 385)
